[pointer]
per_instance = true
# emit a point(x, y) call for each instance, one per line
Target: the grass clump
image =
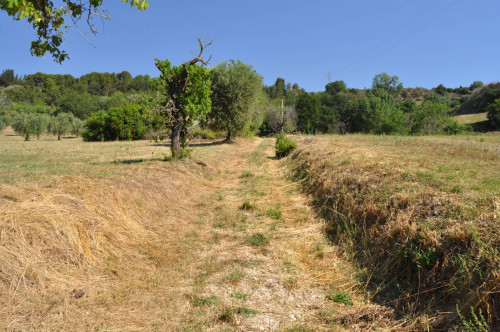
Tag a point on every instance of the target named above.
point(201, 301)
point(241, 296)
point(228, 314)
point(283, 146)
point(258, 239)
point(341, 297)
point(274, 213)
point(247, 206)
point(235, 276)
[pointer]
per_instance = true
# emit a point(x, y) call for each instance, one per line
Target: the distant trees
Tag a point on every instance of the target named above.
point(7, 78)
point(64, 123)
point(30, 124)
point(388, 83)
point(276, 119)
point(308, 110)
point(186, 89)
point(236, 88)
point(4, 122)
point(494, 114)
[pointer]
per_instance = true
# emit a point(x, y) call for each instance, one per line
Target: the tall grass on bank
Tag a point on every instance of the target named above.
point(419, 214)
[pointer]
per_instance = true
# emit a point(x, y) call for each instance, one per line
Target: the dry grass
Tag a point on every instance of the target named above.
point(470, 118)
point(420, 213)
point(110, 237)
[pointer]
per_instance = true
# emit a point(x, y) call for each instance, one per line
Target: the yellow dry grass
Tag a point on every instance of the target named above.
point(109, 237)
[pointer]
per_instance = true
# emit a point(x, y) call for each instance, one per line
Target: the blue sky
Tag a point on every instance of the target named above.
point(424, 42)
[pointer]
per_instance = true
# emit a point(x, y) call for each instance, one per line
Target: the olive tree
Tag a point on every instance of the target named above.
point(186, 89)
point(64, 123)
point(28, 124)
point(236, 90)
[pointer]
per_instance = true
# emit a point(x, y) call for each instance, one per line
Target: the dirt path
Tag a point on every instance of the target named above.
point(267, 265)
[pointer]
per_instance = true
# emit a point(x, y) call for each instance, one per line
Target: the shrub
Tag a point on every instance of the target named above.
point(283, 146)
point(118, 123)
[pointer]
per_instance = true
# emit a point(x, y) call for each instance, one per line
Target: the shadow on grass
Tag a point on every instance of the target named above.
point(139, 161)
point(196, 144)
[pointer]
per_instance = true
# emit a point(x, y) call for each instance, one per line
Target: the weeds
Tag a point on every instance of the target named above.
point(340, 298)
point(200, 301)
point(257, 239)
point(274, 213)
point(235, 276)
point(247, 206)
point(228, 314)
point(477, 323)
point(241, 296)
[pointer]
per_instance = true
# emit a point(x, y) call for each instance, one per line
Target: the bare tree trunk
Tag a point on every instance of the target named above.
point(175, 141)
point(229, 135)
point(58, 137)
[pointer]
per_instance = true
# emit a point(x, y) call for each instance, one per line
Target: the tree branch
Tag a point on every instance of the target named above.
point(199, 58)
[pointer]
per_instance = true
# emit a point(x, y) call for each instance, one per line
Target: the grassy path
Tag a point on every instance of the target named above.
point(268, 265)
point(223, 244)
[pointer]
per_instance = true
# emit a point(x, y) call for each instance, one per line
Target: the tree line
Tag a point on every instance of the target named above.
point(114, 106)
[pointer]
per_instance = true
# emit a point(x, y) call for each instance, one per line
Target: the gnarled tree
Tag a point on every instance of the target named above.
point(187, 91)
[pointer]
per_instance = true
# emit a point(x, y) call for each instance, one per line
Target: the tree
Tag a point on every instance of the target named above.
point(50, 23)
point(494, 114)
point(62, 124)
point(187, 96)
point(308, 113)
point(236, 88)
point(28, 124)
point(476, 85)
point(7, 78)
point(118, 123)
point(3, 122)
point(79, 104)
point(335, 87)
point(388, 83)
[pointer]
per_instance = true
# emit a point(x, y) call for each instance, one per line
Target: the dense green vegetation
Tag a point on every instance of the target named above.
point(237, 102)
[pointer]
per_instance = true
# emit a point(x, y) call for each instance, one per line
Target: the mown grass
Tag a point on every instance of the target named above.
point(109, 219)
point(421, 213)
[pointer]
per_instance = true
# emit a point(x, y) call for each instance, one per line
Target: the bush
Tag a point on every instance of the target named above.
point(283, 146)
point(118, 123)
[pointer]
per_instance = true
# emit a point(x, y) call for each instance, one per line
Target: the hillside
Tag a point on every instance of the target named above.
point(480, 99)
